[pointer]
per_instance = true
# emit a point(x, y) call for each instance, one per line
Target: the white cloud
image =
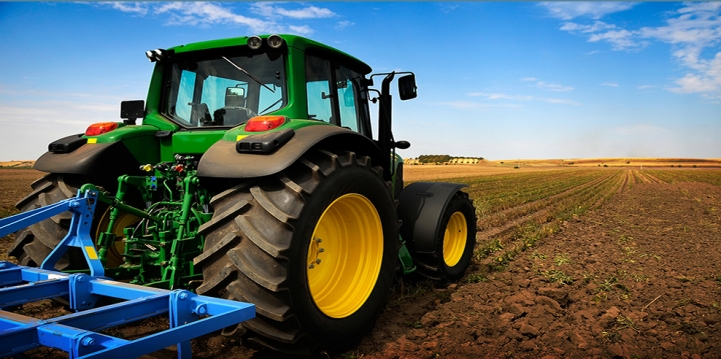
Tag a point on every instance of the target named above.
point(609, 84)
point(343, 24)
point(594, 10)
point(546, 86)
point(553, 87)
point(693, 83)
point(502, 96)
point(643, 87)
point(620, 39)
point(205, 14)
point(561, 101)
point(470, 105)
point(597, 26)
point(694, 31)
point(310, 12)
point(131, 7)
point(447, 8)
point(264, 18)
point(300, 30)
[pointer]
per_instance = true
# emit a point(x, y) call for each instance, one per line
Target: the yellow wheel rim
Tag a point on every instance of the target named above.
point(345, 255)
point(114, 256)
point(454, 240)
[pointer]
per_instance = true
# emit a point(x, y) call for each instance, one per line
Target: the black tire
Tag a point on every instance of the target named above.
point(435, 266)
point(257, 245)
point(34, 243)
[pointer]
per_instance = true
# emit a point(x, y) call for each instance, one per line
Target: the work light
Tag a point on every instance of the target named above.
point(155, 55)
point(275, 41)
point(254, 42)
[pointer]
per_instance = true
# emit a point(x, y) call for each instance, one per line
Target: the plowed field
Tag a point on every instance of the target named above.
point(570, 263)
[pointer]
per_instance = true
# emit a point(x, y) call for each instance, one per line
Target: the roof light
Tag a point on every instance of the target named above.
point(155, 55)
point(254, 42)
point(275, 41)
point(100, 128)
point(264, 123)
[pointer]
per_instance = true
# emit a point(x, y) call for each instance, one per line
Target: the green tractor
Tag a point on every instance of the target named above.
point(255, 176)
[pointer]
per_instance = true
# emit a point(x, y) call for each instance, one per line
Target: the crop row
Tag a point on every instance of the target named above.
point(527, 224)
point(493, 194)
point(712, 176)
point(537, 204)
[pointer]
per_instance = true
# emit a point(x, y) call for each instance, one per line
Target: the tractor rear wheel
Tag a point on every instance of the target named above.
point(314, 248)
point(35, 242)
point(454, 245)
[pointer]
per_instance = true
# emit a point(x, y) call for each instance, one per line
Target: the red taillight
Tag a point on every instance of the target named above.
point(264, 123)
point(100, 128)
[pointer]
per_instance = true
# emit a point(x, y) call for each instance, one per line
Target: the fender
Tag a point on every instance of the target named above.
point(223, 161)
point(421, 206)
point(103, 163)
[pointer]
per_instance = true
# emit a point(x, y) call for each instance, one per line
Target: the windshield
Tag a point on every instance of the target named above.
point(224, 90)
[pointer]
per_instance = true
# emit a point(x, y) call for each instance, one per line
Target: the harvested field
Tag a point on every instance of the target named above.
point(442, 172)
point(617, 162)
point(570, 262)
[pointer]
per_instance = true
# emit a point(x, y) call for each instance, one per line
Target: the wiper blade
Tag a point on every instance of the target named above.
point(247, 73)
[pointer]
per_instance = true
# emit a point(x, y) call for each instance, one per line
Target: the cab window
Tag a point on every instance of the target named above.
point(335, 94)
point(317, 86)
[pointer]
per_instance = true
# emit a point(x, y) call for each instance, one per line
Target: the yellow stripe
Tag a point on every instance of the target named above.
point(240, 137)
point(92, 140)
point(91, 252)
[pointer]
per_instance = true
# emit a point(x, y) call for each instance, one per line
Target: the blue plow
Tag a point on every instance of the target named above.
point(79, 334)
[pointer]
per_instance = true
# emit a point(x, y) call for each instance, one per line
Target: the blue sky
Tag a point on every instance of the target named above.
point(499, 80)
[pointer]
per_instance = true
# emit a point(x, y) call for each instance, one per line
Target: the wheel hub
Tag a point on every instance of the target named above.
point(343, 272)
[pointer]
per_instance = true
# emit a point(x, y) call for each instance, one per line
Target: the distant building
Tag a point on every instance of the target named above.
point(451, 161)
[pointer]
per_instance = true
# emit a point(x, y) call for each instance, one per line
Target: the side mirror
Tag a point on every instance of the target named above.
point(132, 110)
point(407, 87)
point(402, 145)
point(235, 97)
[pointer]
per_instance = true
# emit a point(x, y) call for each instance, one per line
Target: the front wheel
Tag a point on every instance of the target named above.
point(454, 244)
point(314, 248)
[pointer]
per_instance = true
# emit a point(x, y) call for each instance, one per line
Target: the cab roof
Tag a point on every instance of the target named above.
point(298, 42)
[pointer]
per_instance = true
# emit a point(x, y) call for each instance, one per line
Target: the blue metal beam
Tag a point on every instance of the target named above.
point(19, 221)
point(190, 315)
